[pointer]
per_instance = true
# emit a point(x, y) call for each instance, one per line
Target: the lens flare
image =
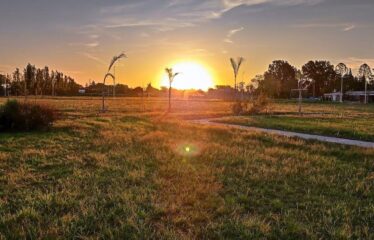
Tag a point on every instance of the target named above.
point(187, 149)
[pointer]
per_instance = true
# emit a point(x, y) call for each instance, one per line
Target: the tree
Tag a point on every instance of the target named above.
point(279, 79)
point(16, 87)
point(365, 73)
point(303, 84)
point(108, 74)
point(46, 80)
point(29, 78)
point(236, 67)
point(323, 75)
point(342, 70)
point(171, 77)
point(38, 81)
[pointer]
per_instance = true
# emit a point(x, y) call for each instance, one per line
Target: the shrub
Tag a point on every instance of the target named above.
point(16, 116)
point(259, 104)
point(255, 106)
point(239, 108)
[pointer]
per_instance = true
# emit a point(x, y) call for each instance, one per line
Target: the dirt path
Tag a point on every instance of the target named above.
point(364, 144)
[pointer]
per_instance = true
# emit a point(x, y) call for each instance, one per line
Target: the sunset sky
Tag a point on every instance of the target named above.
point(79, 37)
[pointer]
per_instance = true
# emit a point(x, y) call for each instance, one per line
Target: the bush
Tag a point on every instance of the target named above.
point(16, 116)
point(239, 108)
point(255, 106)
point(259, 104)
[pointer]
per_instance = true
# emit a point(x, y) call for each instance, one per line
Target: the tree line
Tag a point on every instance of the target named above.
point(282, 78)
point(38, 82)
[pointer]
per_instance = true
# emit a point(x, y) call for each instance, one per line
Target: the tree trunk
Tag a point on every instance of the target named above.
point(341, 90)
point(366, 95)
point(170, 97)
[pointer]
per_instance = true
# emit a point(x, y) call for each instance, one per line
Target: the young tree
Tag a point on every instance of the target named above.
point(303, 85)
point(171, 76)
point(342, 70)
point(366, 73)
point(236, 67)
point(108, 74)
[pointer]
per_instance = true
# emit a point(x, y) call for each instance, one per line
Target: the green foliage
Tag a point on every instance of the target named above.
point(16, 116)
point(323, 75)
point(279, 80)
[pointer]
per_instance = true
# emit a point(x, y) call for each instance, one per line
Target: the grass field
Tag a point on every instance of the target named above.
point(138, 173)
point(352, 121)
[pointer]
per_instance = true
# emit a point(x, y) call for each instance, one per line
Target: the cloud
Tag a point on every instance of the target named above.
point(92, 45)
point(231, 4)
point(92, 57)
point(174, 14)
point(345, 27)
point(231, 34)
point(349, 28)
point(88, 45)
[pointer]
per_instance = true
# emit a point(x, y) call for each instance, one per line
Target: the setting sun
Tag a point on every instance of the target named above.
point(192, 75)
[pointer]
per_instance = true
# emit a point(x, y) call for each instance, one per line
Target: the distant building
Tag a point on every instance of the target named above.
point(355, 96)
point(82, 91)
point(359, 96)
point(334, 97)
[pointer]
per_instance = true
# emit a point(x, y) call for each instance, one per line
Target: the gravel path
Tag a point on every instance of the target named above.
point(364, 144)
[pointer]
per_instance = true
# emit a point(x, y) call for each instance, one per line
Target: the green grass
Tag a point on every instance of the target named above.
point(129, 176)
point(343, 121)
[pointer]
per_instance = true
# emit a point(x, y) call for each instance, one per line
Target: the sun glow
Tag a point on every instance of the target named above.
point(191, 75)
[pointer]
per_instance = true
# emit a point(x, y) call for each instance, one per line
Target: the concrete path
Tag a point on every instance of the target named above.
point(364, 144)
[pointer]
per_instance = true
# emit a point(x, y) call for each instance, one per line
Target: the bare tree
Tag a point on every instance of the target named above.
point(342, 70)
point(366, 73)
point(108, 74)
point(236, 67)
point(171, 76)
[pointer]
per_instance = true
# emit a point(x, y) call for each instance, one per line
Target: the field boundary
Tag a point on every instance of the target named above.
point(342, 141)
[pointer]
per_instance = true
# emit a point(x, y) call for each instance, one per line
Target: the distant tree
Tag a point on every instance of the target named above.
point(38, 81)
point(46, 81)
point(16, 86)
point(236, 67)
point(257, 83)
point(29, 78)
point(351, 83)
point(279, 79)
point(365, 73)
point(342, 70)
point(2, 84)
point(323, 75)
point(151, 91)
point(171, 76)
